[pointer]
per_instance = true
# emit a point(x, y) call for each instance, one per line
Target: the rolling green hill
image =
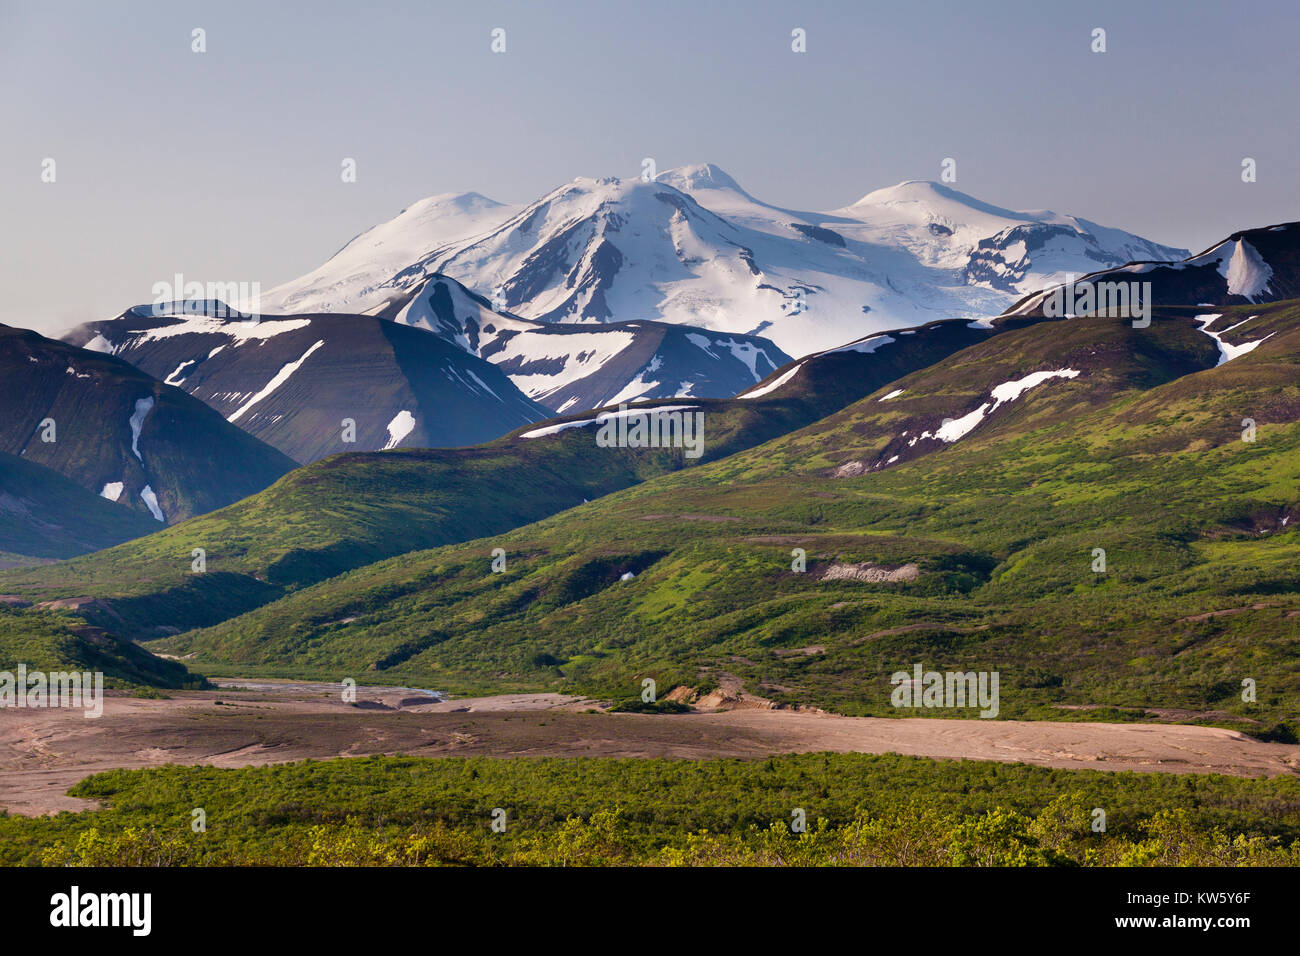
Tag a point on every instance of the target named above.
point(990, 540)
point(50, 642)
point(351, 510)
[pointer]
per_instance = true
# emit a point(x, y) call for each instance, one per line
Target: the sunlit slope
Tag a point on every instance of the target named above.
point(1141, 454)
point(50, 643)
point(350, 510)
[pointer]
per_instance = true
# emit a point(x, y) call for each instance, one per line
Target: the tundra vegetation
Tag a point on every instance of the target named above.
point(860, 810)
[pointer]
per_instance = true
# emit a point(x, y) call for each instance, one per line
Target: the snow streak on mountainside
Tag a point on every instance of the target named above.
point(121, 434)
point(320, 384)
point(572, 367)
point(693, 248)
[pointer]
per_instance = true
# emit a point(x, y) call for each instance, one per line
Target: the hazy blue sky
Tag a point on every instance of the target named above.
point(225, 165)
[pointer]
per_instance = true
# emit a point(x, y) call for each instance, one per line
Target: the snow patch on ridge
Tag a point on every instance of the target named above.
point(746, 352)
point(956, 428)
point(635, 389)
point(1010, 391)
point(577, 354)
point(112, 491)
point(866, 346)
point(240, 330)
point(1246, 271)
point(403, 424)
point(771, 386)
point(172, 380)
point(471, 374)
point(602, 417)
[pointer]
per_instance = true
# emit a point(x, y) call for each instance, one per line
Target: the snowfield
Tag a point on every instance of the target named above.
point(693, 248)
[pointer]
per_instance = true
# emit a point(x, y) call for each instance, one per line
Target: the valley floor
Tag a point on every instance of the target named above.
point(43, 753)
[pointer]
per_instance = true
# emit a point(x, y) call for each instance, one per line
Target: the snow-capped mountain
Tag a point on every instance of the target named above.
point(296, 382)
point(693, 248)
point(1250, 266)
point(1254, 265)
point(579, 366)
point(357, 274)
point(122, 434)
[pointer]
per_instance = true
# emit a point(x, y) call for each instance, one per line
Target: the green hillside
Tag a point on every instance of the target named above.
point(51, 642)
point(1140, 454)
point(351, 510)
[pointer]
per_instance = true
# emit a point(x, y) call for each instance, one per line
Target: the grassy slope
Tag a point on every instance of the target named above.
point(50, 642)
point(350, 510)
point(1135, 457)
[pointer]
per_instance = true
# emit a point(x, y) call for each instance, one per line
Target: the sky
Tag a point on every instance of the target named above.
point(226, 165)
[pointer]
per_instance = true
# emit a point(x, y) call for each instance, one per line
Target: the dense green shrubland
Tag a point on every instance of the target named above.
point(860, 810)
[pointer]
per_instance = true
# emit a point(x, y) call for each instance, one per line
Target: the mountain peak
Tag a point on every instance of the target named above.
point(682, 178)
point(944, 200)
point(913, 190)
point(698, 176)
point(459, 202)
point(692, 248)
